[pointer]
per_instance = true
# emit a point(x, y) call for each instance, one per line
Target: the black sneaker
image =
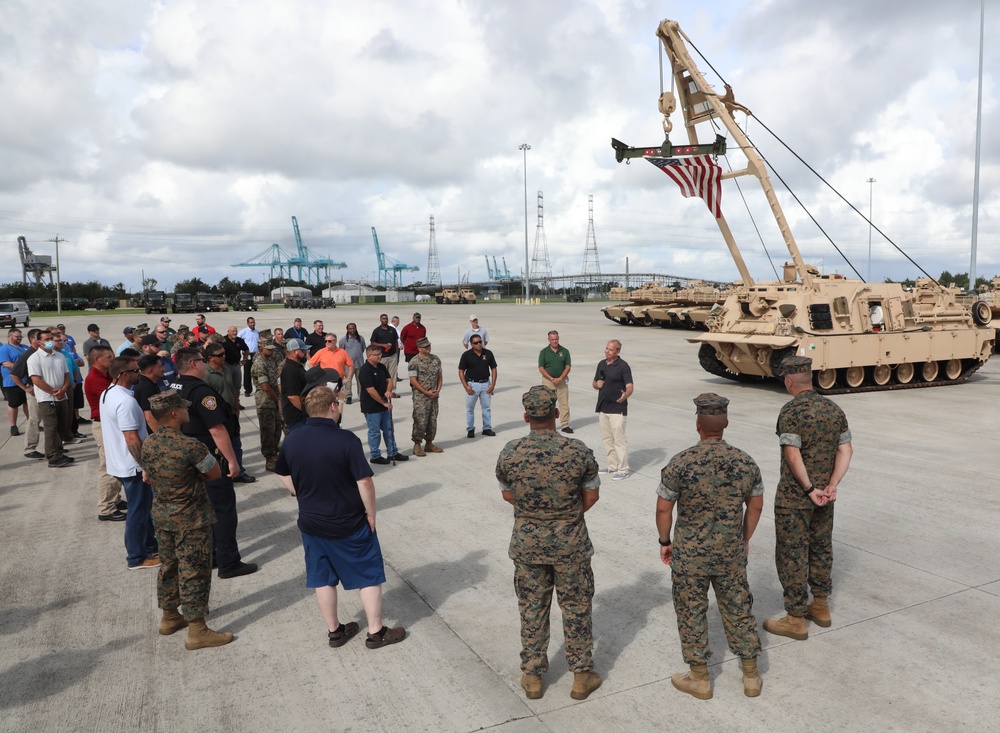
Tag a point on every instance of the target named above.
point(14, 430)
point(83, 421)
point(399, 457)
point(471, 434)
point(121, 505)
point(243, 568)
point(380, 461)
point(34, 454)
point(60, 463)
point(115, 516)
point(489, 433)
point(568, 429)
point(349, 400)
point(245, 478)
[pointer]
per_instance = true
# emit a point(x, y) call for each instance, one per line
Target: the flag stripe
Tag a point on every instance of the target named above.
point(697, 176)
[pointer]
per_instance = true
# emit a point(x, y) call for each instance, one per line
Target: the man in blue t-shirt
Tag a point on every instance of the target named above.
point(15, 396)
point(324, 467)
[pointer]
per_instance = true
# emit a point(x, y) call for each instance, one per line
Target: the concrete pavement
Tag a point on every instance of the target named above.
point(916, 578)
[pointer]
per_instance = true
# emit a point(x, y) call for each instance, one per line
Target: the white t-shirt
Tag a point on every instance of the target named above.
point(120, 412)
point(470, 332)
point(51, 367)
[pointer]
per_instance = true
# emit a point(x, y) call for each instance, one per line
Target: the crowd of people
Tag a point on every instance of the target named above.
point(164, 408)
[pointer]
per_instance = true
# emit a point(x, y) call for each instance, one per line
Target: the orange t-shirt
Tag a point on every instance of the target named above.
point(327, 359)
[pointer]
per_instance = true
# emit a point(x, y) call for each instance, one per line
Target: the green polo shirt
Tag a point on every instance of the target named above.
point(554, 361)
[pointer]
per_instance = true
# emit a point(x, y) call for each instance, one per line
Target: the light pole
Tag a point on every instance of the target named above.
point(524, 148)
point(871, 186)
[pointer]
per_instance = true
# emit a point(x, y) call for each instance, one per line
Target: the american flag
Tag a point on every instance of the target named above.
point(697, 175)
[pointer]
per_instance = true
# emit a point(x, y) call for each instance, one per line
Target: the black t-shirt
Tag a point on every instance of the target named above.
point(377, 377)
point(20, 368)
point(234, 349)
point(293, 380)
point(477, 368)
point(615, 375)
point(315, 342)
point(385, 335)
point(142, 391)
point(325, 464)
point(207, 410)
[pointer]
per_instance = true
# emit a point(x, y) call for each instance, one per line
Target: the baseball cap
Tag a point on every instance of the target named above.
point(473, 317)
point(165, 319)
point(149, 340)
point(296, 344)
point(127, 329)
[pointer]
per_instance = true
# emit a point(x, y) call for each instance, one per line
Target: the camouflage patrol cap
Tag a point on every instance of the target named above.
point(423, 343)
point(264, 334)
point(796, 365)
point(142, 327)
point(215, 338)
point(539, 401)
point(182, 328)
point(710, 403)
point(266, 344)
point(167, 400)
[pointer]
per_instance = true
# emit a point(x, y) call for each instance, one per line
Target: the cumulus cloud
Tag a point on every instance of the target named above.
point(164, 135)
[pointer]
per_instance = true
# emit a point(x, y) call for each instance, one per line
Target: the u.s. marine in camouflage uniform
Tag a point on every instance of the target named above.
point(426, 379)
point(183, 516)
point(551, 480)
point(264, 375)
point(815, 455)
point(711, 483)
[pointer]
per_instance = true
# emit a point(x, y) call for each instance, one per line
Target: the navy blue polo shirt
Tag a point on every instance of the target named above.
point(325, 463)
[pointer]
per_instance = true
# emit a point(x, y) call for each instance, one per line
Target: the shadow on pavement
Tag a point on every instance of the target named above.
point(433, 583)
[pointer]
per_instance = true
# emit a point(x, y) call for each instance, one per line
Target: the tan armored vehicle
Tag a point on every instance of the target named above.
point(861, 336)
point(448, 295)
point(467, 295)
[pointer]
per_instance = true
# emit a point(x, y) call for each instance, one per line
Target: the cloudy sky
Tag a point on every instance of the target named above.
point(180, 137)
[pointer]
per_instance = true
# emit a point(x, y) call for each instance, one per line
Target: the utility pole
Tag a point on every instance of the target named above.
point(871, 186)
point(58, 278)
point(524, 148)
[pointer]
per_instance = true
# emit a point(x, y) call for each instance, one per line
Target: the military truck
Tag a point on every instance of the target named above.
point(183, 303)
point(467, 295)
point(243, 302)
point(219, 304)
point(448, 295)
point(154, 301)
point(861, 336)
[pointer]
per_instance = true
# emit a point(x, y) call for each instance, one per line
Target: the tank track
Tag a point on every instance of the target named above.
point(708, 361)
point(972, 366)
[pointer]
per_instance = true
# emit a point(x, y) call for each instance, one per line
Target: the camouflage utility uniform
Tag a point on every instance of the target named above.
point(711, 482)
point(550, 545)
point(264, 370)
point(183, 518)
point(427, 370)
point(803, 531)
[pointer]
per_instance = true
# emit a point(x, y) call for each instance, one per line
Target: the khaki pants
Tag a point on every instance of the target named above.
point(108, 487)
point(392, 364)
point(31, 429)
point(562, 392)
point(53, 415)
point(615, 441)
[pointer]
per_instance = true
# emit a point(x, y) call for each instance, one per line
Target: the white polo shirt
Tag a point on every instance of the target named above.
point(51, 367)
point(120, 412)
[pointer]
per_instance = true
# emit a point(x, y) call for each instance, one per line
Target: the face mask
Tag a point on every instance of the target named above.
point(48, 345)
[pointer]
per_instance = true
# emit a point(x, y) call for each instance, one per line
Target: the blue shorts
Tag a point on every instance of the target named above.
point(354, 561)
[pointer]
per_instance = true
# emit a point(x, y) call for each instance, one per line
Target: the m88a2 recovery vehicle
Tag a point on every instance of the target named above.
point(861, 336)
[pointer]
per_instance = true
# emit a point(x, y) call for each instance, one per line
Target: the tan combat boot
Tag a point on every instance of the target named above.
point(200, 636)
point(696, 682)
point(171, 622)
point(417, 450)
point(794, 627)
point(431, 448)
point(751, 677)
point(584, 683)
point(819, 610)
point(532, 685)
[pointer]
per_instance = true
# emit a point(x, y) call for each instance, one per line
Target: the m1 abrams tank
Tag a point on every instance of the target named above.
point(860, 336)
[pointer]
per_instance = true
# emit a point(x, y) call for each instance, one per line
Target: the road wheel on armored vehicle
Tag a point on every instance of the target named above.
point(905, 373)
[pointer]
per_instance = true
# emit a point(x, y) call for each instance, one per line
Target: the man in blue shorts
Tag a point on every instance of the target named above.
point(324, 467)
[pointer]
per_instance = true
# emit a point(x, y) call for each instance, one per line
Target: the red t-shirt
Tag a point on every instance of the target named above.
point(410, 334)
point(93, 387)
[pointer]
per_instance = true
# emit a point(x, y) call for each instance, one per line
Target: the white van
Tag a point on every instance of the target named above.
point(13, 312)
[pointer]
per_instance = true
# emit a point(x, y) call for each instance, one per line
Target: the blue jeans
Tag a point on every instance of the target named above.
point(485, 398)
point(379, 424)
point(140, 539)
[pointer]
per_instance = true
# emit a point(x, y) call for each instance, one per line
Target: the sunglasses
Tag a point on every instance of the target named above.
point(476, 343)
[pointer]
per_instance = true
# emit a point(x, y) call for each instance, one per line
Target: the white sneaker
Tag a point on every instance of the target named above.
point(72, 441)
point(619, 476)
point(603, 471)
